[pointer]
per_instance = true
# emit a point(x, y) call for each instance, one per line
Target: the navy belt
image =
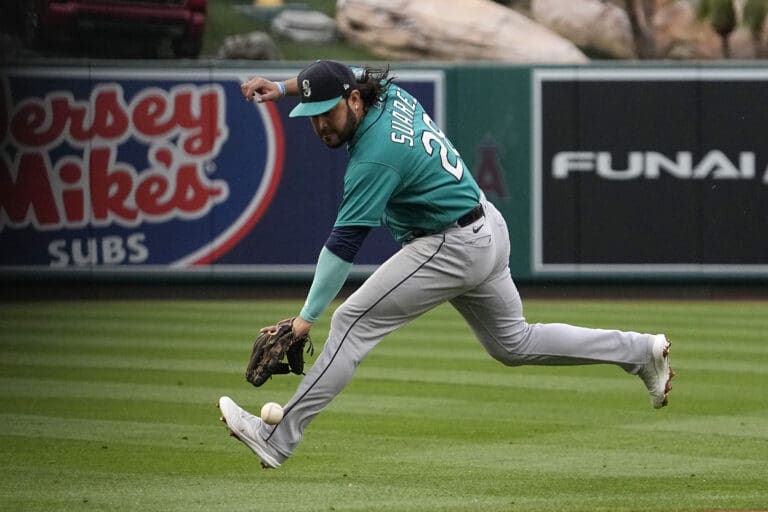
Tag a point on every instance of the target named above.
point(468, 218)
point(474, 214)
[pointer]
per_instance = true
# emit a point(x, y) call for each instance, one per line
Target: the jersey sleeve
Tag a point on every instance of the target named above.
point(367, 188)
point(345, 241)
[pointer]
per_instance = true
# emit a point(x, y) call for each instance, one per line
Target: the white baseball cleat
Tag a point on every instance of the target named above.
point(244, 427)
point(657, 374)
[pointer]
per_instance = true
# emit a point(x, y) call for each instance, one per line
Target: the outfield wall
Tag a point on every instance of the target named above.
point(644, 173)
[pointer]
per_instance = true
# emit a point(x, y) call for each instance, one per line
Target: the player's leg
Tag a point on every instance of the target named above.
point(494, 311)
point(416, 279)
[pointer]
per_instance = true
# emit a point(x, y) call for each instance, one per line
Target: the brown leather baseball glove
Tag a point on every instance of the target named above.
point(271, 347)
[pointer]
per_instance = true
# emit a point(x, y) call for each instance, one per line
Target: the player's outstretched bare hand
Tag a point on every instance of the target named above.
point(260, 90)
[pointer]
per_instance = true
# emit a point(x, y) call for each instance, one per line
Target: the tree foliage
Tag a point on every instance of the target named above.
point(721, 15)
point(755, 12)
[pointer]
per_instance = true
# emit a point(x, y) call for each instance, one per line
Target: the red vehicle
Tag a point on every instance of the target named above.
point(134, 23)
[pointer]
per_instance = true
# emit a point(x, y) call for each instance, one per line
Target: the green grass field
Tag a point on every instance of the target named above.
point(111, 406)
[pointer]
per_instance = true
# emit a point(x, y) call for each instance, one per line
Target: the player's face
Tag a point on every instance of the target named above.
point(338, 125)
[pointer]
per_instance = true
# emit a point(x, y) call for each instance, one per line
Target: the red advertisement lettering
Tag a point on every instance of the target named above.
point(183, 129)
point(29, 199)
point(193, 115)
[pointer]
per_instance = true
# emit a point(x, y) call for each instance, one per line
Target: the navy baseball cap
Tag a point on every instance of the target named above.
point(322, 84)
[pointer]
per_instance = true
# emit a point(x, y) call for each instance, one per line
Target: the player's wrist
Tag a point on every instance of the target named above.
point(283, 90)
point(306, 316)
point(301, 327)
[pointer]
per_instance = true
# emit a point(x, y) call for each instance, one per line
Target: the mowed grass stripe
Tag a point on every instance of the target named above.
point(395, 377)
point(504, 456)
point(122, 361)
point(210, 321)
point(241, 491)
point(715, 426)
point(148, 309)
point(380, 370)
point(678, 309)
point(108, 329)
point(498, 460)
point(576, 460)
point(223, 338)
point(172, 435)
point(127, 341)
point(224, 358)
point(40, 388)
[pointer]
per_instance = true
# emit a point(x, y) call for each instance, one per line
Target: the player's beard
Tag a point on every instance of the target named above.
point(343, 136)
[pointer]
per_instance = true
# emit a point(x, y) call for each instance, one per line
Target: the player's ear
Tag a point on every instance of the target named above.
point(356, 101)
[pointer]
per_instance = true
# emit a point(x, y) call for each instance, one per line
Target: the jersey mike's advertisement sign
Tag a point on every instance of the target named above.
point(105, 169)
point(650, 171)
point(127, 169)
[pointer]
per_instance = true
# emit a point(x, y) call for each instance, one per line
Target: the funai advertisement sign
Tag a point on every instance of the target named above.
point(650, 171)
point(129, 169)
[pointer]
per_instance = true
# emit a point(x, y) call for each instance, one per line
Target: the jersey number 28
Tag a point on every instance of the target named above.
point(446, 149)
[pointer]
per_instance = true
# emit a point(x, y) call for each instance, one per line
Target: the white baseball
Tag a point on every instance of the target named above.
point(271, 413)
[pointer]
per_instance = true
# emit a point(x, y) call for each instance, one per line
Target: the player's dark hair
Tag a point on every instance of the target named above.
point(372, 84)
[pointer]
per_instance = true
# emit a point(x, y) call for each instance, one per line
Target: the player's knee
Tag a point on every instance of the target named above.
point(342, 318)
point(510, 349)
point(507, 358)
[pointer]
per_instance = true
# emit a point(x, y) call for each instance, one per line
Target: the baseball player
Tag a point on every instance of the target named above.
point(405, 174)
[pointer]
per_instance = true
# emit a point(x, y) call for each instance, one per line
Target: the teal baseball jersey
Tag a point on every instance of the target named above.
point(403, 172)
